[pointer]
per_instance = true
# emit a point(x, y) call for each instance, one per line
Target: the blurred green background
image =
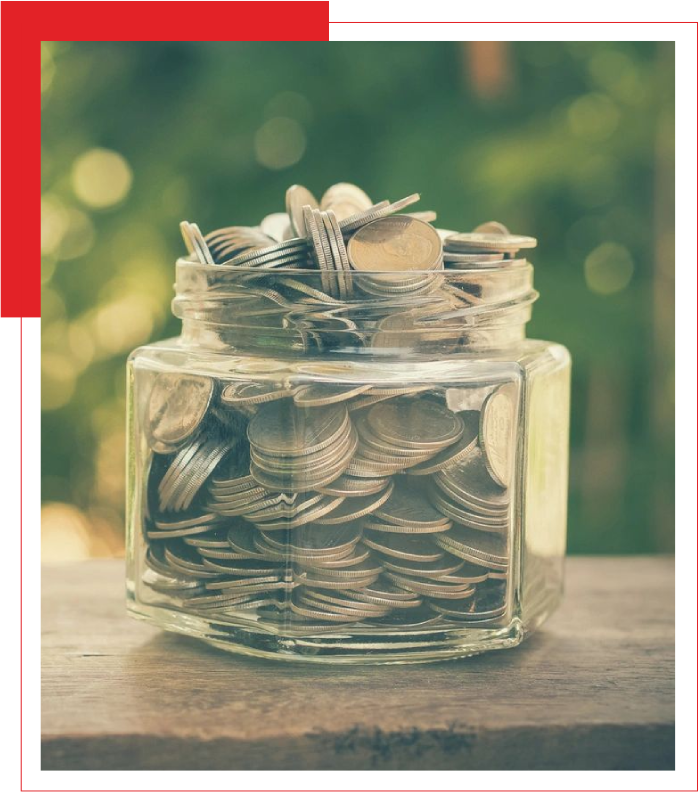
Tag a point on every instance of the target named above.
point(571, 142)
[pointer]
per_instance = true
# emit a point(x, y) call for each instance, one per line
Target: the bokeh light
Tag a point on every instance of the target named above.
point(101, 178)
point(279, 143)
point(65, 533)
point(608, 268)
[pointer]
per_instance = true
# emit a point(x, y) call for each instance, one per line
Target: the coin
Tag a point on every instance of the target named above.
point(416, 424)
point(177, 405)
point(354, 558)
point(355, 508)
point(345, 200)
point(491, 227)
point(395, 244)
point(497, 432)
point(376, 212)
point(489, 241)
point(195, 242)
point(436, 570)
point(298, 197)
point(320, 395)
point(409, 548)
point(455, 452)
point(470, 484)
point(431, 587)
point(317, 234)
point(240, 393)
point(477, 547)
point(324, 507)
point(277, 226)
point(286, 430)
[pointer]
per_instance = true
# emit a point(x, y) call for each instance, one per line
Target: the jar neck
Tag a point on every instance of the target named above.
point(311, 313)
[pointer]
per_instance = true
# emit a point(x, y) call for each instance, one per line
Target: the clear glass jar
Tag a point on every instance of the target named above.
point(377, 479)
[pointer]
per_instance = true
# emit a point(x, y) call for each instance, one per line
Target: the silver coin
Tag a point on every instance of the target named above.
point(287, 430)
point(327, 505)
point(185, 564)
point(454, 453)
point(486, 242)
point(376, 212)
point(355, 508)
point(277, 226)
point(408, 548)
point(344, 263)
point(497, 429)
point(431, 570)
point(324, 254)
point(303, 479)
point(323, 615)
point(492, 227)
point(472, 485)
point(316, 233)
point(314, 539)
point(345, 200)
point(240, 393)
point(354, 558)
point(354, 487)
point(334, 257)
point(309, 291)
point(395, 244)
point(208, 520)
point(468, 519)
point(426, 217)
point(376, 524)
point(298, 197)
point(317, 579)
point(215, 540)
point(432, 587)
point(408, 507)
point(177, 405)
point(320, 395)
point(420, 423)
point(366, 612)
point(241, 540)
point(196, 243)
point(481, 548)
point(473, 258)
point(339, 599)
point(177, 533)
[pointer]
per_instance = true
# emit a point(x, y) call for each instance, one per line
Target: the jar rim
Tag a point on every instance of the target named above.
point(286, 309)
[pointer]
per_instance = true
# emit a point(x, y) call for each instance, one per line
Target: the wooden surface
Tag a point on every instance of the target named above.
point(592, 689)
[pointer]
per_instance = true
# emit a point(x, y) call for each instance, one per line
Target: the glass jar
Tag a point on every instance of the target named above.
point(381, 478)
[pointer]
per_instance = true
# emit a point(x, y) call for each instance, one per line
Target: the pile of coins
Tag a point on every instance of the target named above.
point(347, 272)
point(308, 505)
point(326, 504)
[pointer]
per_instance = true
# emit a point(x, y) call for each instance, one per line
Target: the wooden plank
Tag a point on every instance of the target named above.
point(594, 688)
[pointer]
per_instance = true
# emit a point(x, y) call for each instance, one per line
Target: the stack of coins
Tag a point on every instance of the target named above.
point(306, 514)
point(314, 505)
point(293, 451)
point(373, 278)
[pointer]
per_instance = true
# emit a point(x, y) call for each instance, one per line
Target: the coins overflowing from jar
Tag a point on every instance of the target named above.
point(346, 272)
point(322, 505)
point(312, 504)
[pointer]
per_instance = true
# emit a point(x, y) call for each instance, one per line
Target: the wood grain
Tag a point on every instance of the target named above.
point(593, 689)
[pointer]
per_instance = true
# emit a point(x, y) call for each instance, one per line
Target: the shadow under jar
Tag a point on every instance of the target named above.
point(376, 478)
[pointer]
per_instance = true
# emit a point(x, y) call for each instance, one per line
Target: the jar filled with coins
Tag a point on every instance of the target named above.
point(352, 453)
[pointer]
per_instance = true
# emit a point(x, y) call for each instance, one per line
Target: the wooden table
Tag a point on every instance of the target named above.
point(594, 688)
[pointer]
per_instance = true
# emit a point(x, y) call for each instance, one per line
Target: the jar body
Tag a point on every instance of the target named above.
point(235, 559)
